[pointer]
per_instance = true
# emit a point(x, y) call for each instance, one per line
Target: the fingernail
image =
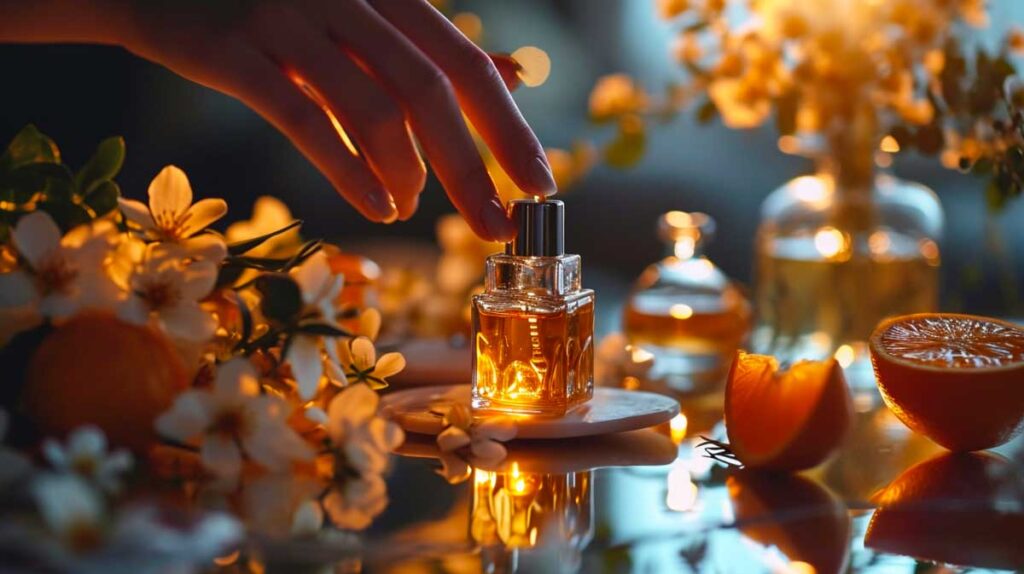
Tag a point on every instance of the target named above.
point(495, 221)
point(540, 176)
point(380, 203)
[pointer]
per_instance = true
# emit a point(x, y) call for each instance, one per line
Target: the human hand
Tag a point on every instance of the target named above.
point(381, 67)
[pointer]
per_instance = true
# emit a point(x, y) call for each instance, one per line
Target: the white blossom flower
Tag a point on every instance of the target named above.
point(356, 502)
point(320, 289)
point(168, 290)
point(171, 217)
point(86, 455)
point(233, 419)
point(72, 510)
point(484, 438)
point(269, 214)
point(356, 431)
point(358, 361)
point(86, 537)
point(63, 275)
point(276, 505)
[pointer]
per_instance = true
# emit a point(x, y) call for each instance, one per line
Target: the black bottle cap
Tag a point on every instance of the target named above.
point(540, 228)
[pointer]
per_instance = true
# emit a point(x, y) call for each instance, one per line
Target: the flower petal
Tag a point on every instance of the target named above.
point(36, 236)
point(353, 406)
point(308, 519)
point(170, 192)
point(307, 366)
point(136, 212)
point(389, 364)
point(187, 418)
point(220, 454)
point(488, 451)
point(496, 428)
point(364, 356)
point(452, 438)
point(203, 213)
point(369, 323)
point(17, 289)
point(87, 440)
point(235, 378)
point(200, 278)
point(313, 277)
point(206, 246)
point(188, 321)
point(316, 415)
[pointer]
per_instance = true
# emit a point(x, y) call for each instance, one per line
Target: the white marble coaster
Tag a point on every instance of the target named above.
point(610, 411)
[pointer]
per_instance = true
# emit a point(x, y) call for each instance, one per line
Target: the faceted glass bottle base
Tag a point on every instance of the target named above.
point(533, 363)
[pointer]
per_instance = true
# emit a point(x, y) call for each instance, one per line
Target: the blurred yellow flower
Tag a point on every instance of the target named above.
point(268, 215)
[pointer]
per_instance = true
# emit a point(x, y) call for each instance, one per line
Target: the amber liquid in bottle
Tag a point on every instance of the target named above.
point(539, 363)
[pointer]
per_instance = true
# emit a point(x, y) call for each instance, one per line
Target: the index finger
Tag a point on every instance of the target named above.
point(480, 90)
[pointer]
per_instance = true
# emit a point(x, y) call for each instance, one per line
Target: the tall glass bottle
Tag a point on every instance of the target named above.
point(533, 326)
point(684, 309)
point(838, 251)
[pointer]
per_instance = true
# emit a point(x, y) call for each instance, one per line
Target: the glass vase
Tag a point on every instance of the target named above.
point(840, 250)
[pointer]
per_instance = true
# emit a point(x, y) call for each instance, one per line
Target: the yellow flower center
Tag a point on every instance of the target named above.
point(160, 295)
point(171, 226)
point(83, 536)
point(85, 466)
point(229, 422)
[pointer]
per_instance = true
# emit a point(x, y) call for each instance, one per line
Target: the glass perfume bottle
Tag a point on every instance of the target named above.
point(838, 251)
point(684, 309)
point(533, 326)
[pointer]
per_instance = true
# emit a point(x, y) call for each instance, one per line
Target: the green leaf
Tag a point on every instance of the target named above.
point(281, 297)
point(25, 181)
point(104, 164)
point(229, 274)
point(103, 198)
point(67, 215)
point(322, 330)
point(626, 149)
point(240, 247)
point(29, 146)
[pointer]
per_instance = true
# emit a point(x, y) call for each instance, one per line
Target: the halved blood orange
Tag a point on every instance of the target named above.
point(96, 369)
point(957, 379)
point(958, 508)
point(788, 419)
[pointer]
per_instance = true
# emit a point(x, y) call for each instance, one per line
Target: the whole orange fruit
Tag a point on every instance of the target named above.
point(97, 369)
point(785, 419)
point(958, 508)
point(798, 516)
point(957, 379)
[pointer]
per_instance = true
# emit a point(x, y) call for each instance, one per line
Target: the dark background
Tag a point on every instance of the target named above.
point(80, 94)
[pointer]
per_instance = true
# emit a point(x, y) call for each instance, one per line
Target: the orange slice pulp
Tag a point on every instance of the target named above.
point(957, 379)
point(785, 419)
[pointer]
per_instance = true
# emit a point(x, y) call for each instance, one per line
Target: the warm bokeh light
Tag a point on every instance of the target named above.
point(829, 242)
point(677, 426)
point(889, 145)
point(470, 26)
point(682, 492)
point(681, 311)
point(535, 65)
point(810, 188)
point(845, 355)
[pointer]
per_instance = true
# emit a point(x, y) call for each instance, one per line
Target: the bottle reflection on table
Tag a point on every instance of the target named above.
point(516, 516)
